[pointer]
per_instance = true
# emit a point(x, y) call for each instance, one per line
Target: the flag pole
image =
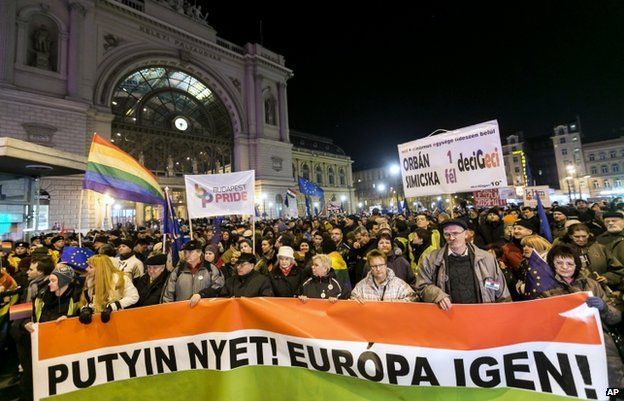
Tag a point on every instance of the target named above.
point(190, 223)
point(79, 218)
point(166, 205)
point(253, 232)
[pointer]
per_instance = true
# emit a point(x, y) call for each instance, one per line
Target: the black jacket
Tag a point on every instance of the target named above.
point(490, 233)
point(150, 294)
point(287, 286)
point(53, 307)
point(324, 287)
point(253, 284)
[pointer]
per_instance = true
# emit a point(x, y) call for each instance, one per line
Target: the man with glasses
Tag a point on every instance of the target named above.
point(459, 272)
point(380, 284)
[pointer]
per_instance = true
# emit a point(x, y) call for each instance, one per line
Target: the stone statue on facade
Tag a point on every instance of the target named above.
point(269, 110)
point(41, 46)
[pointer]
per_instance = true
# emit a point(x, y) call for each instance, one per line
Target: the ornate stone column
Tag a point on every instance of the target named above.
point(283, 111)
point(76, 21)
point(7, 40)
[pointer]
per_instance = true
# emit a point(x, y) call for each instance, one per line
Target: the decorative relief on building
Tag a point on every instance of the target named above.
point(277, 163)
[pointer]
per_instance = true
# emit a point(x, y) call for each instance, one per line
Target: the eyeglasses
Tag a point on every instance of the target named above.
point(453, 234)
point(377, 267)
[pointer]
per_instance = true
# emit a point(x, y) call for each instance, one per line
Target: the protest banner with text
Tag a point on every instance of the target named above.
point(531, 194)
point(283, 350)
point(465, 160)
point(220, 194)
point(488, 198)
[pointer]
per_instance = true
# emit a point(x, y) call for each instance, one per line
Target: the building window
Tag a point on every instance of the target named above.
point(319, 175)
point(562, 140)
point(602, 156)
point(330, 176)
point(574, 138)
point(305, 172)
point(342, 177)
point(607, 185)
point(604, 169)
point(615, 168)
point(618, 183)
point(612, 154)
point(517, 169)
point(294, 171)
point(592, 157)
point(515, 160)
point(594, 170)
point(564, 151)
point(596, 185)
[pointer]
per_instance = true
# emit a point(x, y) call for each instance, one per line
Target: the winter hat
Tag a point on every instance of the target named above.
point(612, 213)
point(454, 222)
point(56, 239)
point(156, 260)
point(127, 243)
point(248, 234)
point(286, 252)
point(212, 248)
point(526, 224)
point(494, 210)
point(246, 258)
point(65, 275)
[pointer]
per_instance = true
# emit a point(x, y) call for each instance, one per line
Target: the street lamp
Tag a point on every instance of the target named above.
point(571, 172)
point(381, 187)
point(263, 196)
point(395, 171)
point(107, 202)
point(343, 199)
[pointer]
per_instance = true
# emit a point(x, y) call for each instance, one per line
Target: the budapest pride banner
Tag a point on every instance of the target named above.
point(220, 194)
point(280, 349)
point(464, 160)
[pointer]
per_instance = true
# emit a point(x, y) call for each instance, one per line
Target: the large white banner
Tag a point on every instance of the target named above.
point(465, 160)
point(220, 194)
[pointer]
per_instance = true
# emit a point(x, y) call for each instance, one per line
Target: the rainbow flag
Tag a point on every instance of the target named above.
point(111, 170)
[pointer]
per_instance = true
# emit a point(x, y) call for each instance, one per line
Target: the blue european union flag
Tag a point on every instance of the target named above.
point(76, 257)
point(539, 277)
point(308, 188)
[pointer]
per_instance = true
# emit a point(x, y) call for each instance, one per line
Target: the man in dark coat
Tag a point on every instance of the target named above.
point(247, 283)
point(150, 286)
point(492, 230)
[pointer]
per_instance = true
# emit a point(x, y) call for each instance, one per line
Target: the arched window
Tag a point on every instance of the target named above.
point(305, 172)
point(342, 177)
point(294, 171)
point(615, 168)
point(318, 172)
point(330, 176)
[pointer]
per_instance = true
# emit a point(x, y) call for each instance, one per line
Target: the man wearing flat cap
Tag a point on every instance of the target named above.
point(247, 282)
point(192, 275)
point(151, 285)
point(613, 240)
point(512, 251)
point(460, 272)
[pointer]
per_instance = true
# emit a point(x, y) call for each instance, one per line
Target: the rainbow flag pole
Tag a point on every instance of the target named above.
point(112, 171)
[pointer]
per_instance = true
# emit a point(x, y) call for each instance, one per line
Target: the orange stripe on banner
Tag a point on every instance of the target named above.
point(464, 327)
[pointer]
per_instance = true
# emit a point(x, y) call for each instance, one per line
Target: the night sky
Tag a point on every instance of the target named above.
point(371, 77)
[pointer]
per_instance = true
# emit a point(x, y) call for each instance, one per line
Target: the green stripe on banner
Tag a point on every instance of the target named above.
point(261, 383)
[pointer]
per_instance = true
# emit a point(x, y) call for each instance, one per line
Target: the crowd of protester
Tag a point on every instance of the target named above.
point(468, 256)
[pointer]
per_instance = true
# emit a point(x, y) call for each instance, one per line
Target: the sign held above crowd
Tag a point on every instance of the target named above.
point(464, 160)
point(220, 194)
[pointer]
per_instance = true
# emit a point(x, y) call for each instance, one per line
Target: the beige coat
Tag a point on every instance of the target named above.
point(432, 277)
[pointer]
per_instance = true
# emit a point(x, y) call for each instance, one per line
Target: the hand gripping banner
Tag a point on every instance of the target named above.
point(283, 350)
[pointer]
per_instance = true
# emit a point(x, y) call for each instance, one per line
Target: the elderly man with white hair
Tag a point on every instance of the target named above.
point(287, 278)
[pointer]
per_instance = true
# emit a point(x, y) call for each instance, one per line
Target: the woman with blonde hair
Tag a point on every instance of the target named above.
point(529, 244)
point(106, 289)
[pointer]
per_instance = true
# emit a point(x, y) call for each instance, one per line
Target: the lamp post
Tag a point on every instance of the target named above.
point(395, 171)
point(263, 196)
point(107, 202)
point(343, 198)
point(381, 187)
point(571, 172)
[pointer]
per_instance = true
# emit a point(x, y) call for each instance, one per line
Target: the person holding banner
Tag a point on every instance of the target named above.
point(460, 272)
point(246, 283)
point(287, 278)
point(107, 289)
point(381, 284)
point(323, 283)
point(566, 264)
point(191, 276)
